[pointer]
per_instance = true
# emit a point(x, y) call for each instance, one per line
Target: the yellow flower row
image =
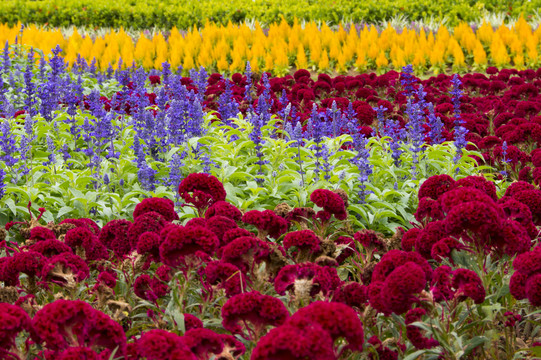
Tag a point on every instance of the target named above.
point(281, 47)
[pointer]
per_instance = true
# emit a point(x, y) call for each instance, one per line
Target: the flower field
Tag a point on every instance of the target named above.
point(303, 186)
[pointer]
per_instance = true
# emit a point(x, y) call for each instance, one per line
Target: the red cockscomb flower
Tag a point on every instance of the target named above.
point(183, 246)
point(223, 208)
point(303, 340)
point(81, 238)
point(339, 320)
point(84, 223)
point(161, 345)
point(352, 294)
point(162, 206)
point(40, 233)
point(225, 276)
point(250, 313)
point(302, 240)
point(50, 247)
point(306, 279)
point(415, 334)
point(66, 323)
point(65, 269)
point(13, 320)
point(266, 222)
point(114, 235)
point(201, 190)
point(330, 202)
point(435, 186)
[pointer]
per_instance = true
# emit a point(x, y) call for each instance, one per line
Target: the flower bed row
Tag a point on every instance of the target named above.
point(226, 49)
point(141, 15)
point(291, 283)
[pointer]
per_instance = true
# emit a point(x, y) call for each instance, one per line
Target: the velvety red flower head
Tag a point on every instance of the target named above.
point(204, 343)
point(339, 320)
point(478, 217)
point(480, 183)
point(532, 199)
point(50, 247)
point(26, 262)
point(107, 278)
point(220, 225)
point(409, 238)
point(330, 202)
point(346, 246)
point(66, 323)
point(154, 79)
point(435, 186)
point(398, 292)
point(8, 273)
point(249, 314)
point(443, 248)
point(462, 195)
point(415, 334)
point(468, 284)
point(114, 235)
point(533, 289)
point(223, 208)
point(512, 239)
point(147, 222)
point(183, 244)
point(370, 240)
point(85, 239)
point(225, 276)
point(201, 190)
point(302, 240)
point(352, 294)
point(162, 206)
point(149, 244)
point(66, 269)
point(13, 320)
point(428, 209)
point(266, 222)
point(192, 322)
point(40, 233)
point(305, 339)
point(160, 344)
point(244, 252)
point(77, 353)
point(395, 258)
point(85, 223)
point(307, 279)
point(149, 288)
point(233, 234)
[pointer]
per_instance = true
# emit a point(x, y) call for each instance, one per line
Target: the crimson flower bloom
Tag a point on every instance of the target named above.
point(201, 190)
point(162, 206)
point(254, 309)
point(65, 323)
point(13, 320)
point(339, 320)
point(305, 339)
point(331, 202)
point(186, 246)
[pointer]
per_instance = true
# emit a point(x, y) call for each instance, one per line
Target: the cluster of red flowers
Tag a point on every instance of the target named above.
point(467, 212)
point(525, 282)
point(292, 252)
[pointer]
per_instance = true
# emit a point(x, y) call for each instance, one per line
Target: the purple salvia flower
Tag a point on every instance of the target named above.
point(361, 160)
point(30, 89)
point(227, 106)
point(436, 126)
point(257, 138)
point(460, 130)
point(408, 80)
